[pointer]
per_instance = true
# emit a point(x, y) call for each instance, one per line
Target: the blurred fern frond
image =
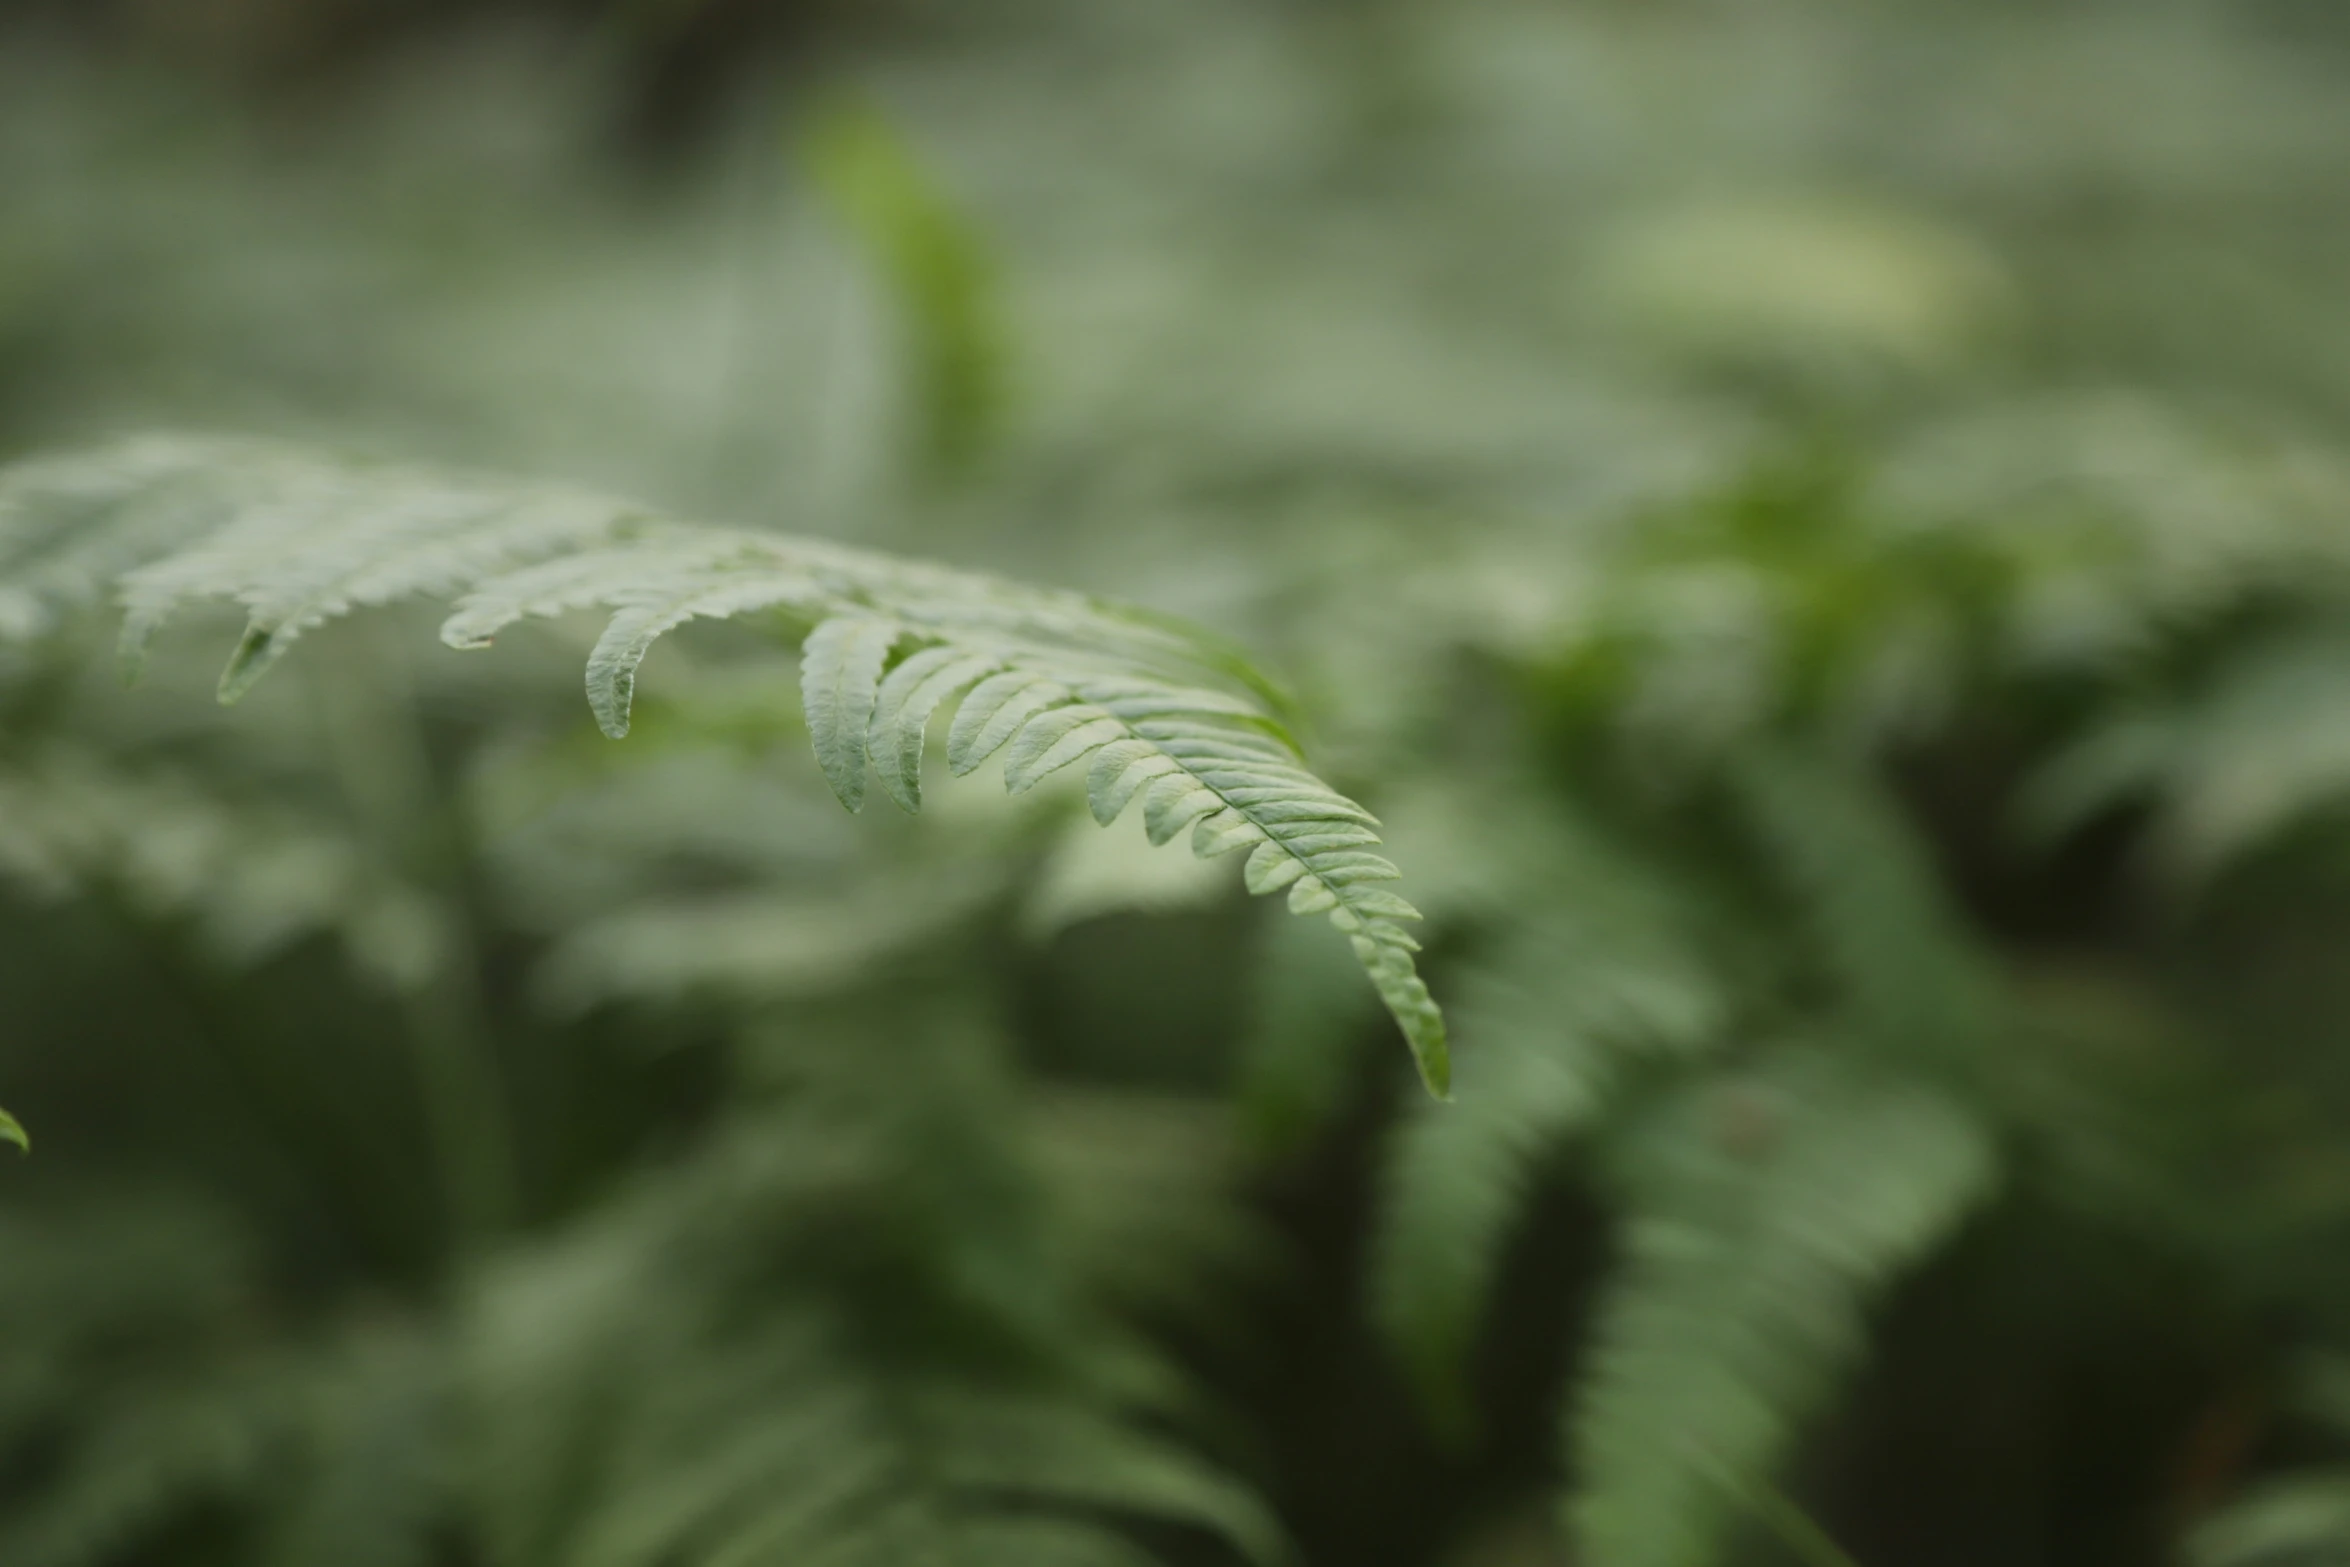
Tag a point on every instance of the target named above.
point(2230, 766)
point(97, 1389)
point(1901, 965)
point(1755, 1240)
point(864, 1329)
point(938, 267)
point(2291, 1523)
point(251, 879)
point(879, 1323)
point(1597, 985)
point(2300, 1518)
point(1765, 1199)
point(1047, 678)
point(634, 1416)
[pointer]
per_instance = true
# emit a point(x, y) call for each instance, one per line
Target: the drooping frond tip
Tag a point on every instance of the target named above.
point(1045, 677)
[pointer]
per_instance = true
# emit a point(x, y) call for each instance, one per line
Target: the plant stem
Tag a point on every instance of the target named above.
point(370, 724)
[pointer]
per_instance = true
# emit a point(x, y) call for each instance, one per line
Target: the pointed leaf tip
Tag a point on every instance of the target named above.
point(256, 650)
point(1416, 1013)
point(1435, 1064)
point(12, 1131)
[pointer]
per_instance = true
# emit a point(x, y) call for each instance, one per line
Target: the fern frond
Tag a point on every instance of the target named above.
point(1042, 1449)
point(1141, 1188)
point(1047, 678)
point(99, 1306)
point(1899, 957)
point(128, 1377)
point(374, 1479)
point(251, 880)
point(939, 272)
point(141, 1468)
point(1576, 1000)
point(1765, 1211)
point(634, 1417)
point(2302, 1522)
point(2230, 766)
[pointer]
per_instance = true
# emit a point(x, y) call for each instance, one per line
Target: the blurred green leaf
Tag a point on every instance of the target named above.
point(940, 273)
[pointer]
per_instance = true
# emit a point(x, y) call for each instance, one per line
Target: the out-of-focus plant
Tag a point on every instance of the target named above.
point(1820, 531)
point(1800, 1067)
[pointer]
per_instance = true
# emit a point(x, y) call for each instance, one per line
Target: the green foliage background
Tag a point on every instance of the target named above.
point(1822, 530)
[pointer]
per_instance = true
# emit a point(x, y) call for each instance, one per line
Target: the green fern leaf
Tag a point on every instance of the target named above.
point(993, 713)
point(1895, 949)
point(840, 681)
point(1579, 998)
point(1040, 1449)
point(1766, 1210)
point(2299, 1522)
point(737, 1436)
point(184, 1444)
point(1055, 738)
point(2232, 765)
point(373, 1485)
point(1048, 678)
point(939, 272)
point(1120, 771)
point(12, 1131)
point(252, 879)
point(914, 691)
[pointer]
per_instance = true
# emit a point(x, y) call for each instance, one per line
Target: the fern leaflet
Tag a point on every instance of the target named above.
point(1046, 678)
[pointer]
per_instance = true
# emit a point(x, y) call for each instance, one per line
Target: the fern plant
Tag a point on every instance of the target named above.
point(1371, 333)
point(1784, 1134)
point(857, 1324)
point(1731, 982)
point(1161, 715)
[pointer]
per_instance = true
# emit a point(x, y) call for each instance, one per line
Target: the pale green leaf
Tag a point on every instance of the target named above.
point(840, 677)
